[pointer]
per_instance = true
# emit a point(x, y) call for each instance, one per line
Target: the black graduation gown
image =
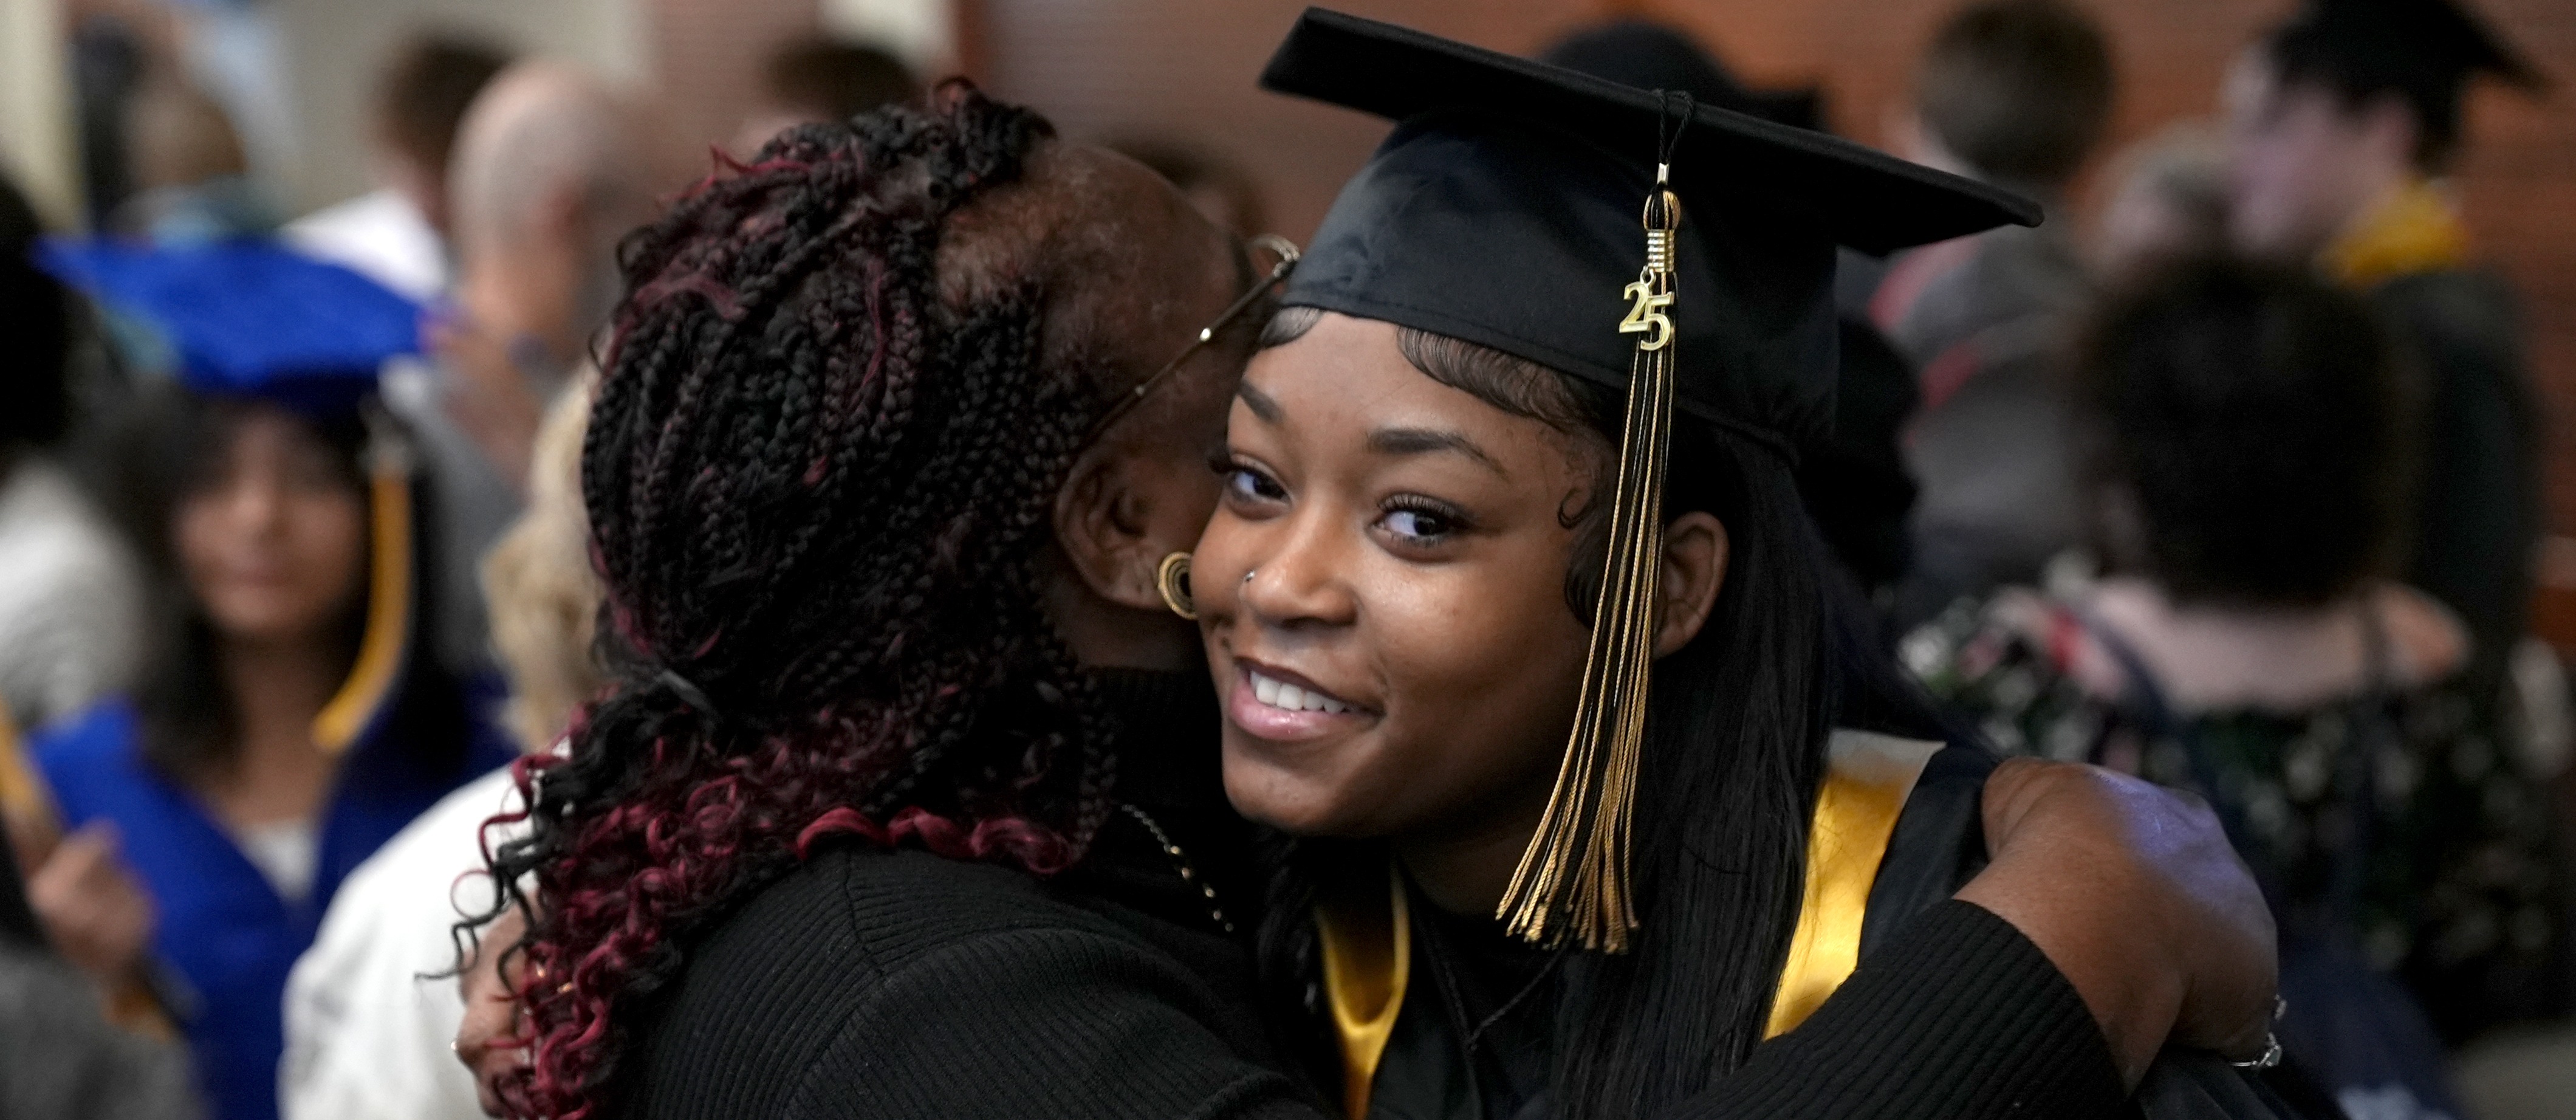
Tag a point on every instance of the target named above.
point(1472, 1040)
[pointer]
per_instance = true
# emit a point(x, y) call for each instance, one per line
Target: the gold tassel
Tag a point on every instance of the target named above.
point(389, 593)
point(1574, 876)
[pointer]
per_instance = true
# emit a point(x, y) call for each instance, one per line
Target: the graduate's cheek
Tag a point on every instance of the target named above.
point(1483, 663)
point(1469, 672)
point(1285, 765)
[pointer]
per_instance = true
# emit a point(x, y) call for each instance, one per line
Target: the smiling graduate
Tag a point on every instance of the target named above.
point(1523, 631)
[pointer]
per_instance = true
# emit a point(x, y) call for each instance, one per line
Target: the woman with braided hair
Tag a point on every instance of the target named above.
point(905, 801)
point(855, 528)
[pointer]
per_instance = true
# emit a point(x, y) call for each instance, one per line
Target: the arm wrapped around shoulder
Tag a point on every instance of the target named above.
point(2132, 891)
point(1958, 1016)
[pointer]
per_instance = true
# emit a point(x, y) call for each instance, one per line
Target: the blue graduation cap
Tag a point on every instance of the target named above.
point(249, 318)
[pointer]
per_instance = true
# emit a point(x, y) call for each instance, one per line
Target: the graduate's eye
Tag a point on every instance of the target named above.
point(1414, 521)
point(1248, 486)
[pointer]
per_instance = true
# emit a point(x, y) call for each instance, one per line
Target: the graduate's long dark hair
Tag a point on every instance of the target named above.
point(1733, 760)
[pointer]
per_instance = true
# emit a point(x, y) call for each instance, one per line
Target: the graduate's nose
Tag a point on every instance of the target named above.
point(247, 506)
point(1306, 582)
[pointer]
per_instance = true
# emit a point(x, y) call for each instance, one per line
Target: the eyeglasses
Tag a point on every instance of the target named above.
point(1279, 247)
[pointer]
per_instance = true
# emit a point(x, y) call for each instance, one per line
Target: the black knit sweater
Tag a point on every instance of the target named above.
point(869, 984)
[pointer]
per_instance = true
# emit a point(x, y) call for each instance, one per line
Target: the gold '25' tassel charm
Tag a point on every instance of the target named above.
point(1574, 879)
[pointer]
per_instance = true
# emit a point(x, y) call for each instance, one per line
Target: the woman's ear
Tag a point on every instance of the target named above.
point(1695, 549)
point(1104, 527)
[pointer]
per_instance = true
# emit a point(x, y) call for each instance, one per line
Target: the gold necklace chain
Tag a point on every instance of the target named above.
point(1181, 862)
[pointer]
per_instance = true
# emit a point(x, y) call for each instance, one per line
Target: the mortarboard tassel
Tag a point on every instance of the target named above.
point(1574, 875)
point(389, 592)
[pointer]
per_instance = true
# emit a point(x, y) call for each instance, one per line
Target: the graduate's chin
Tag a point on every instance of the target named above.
point(1288, 794)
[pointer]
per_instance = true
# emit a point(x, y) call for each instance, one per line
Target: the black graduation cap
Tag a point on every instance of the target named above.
point(1528, 208)
point(2429, 49)
point(1504, 210)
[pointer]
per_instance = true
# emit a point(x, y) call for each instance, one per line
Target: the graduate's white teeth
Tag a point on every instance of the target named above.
point(1289, 697)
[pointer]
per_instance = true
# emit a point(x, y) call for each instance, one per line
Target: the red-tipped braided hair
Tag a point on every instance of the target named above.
point(817, 491)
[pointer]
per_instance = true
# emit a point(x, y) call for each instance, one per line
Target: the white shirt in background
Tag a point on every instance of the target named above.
point(287, 853)
point(372, 1006)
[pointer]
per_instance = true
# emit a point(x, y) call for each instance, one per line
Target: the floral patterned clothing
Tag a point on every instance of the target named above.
point(2391, 824)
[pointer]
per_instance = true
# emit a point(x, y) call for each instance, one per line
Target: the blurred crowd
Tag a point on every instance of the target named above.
point(2231, 481)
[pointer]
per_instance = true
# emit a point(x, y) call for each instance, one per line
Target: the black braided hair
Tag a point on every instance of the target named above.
point(817, 491)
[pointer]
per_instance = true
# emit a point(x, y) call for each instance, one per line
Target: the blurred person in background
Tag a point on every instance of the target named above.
point(70, 633)
point(397, 234)
point(817, 81)
point(1855, 481)
point(2016, 93)
point(2167, 204)
point(192, 177)
point(290, 719)
point(71, 600)
point(2341, 123)
point(548, 175)
point(2249, 465)
point(60, 1056)
point(109, 51)
point(371, 1009)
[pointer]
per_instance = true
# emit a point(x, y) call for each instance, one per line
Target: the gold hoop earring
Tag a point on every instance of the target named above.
point(1173, 580)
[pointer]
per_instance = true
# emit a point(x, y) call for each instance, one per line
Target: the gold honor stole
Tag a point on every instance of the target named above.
point(2414, 230)
point(1368, 952)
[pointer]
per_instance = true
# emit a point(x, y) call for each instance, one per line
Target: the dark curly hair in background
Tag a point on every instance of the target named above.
point(2248, 425)
point(817, 491)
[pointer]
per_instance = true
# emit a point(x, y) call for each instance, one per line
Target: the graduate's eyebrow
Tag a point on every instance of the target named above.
point(1259, 402)
point(1428, 441)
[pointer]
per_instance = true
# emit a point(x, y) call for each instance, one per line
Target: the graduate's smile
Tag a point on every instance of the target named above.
point(1272, 703)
